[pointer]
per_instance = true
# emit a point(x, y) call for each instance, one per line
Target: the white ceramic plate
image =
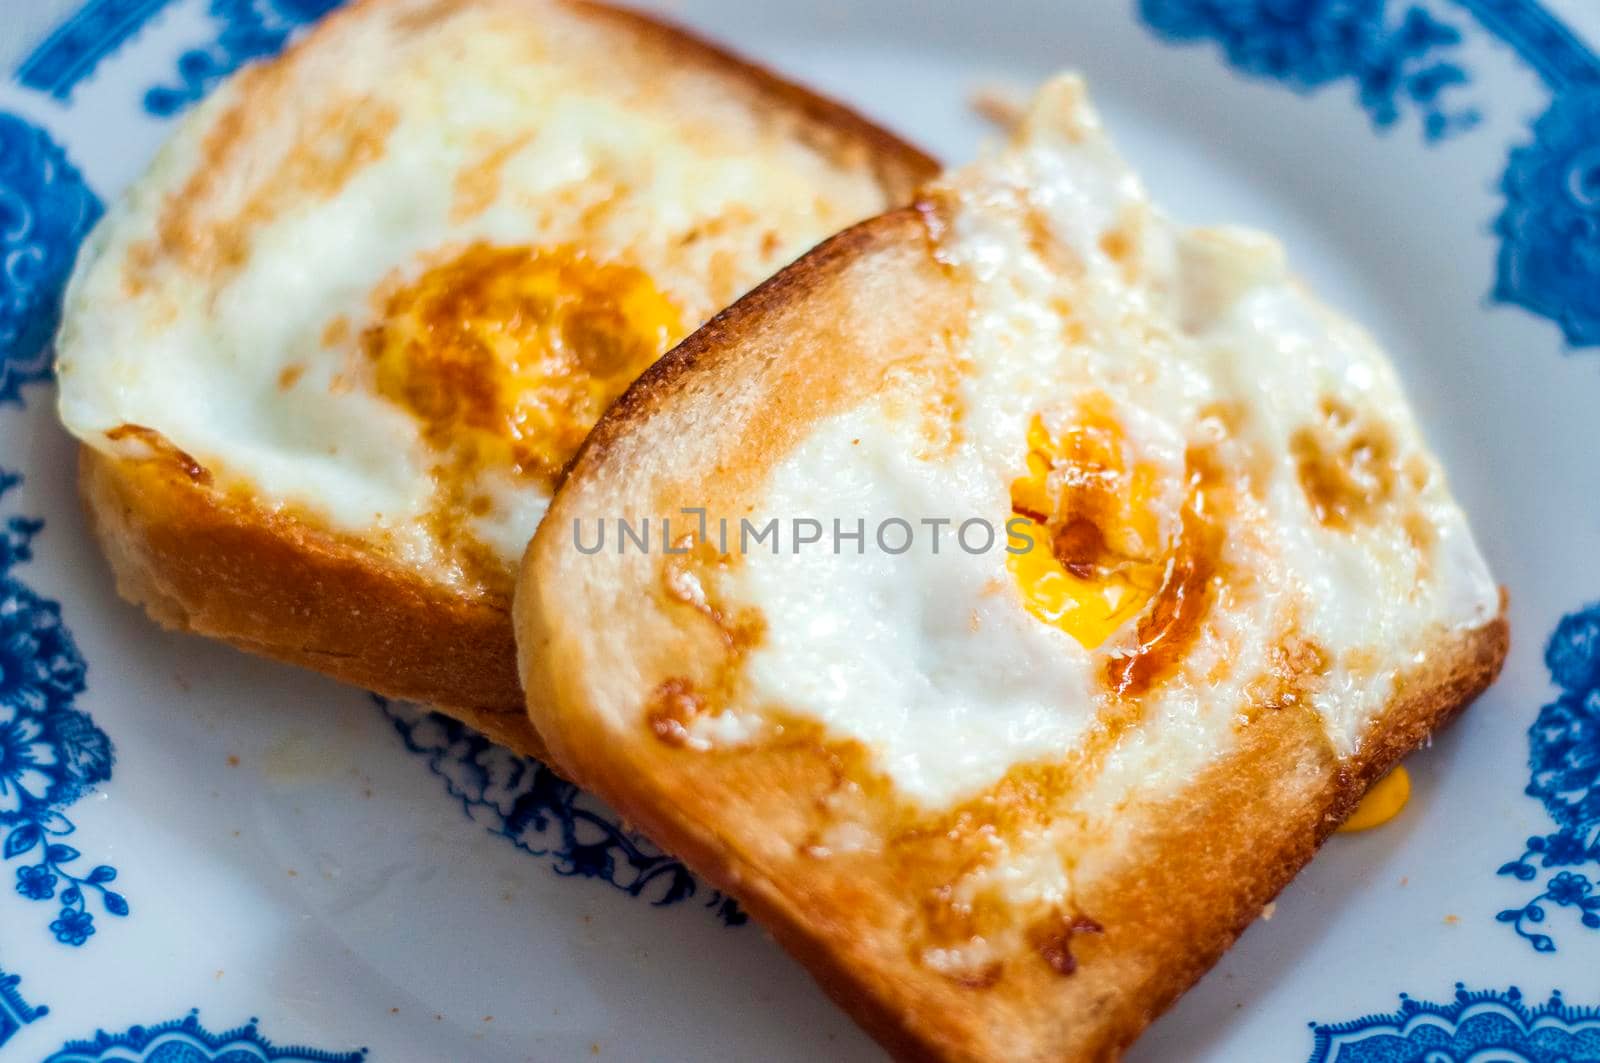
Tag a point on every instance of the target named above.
point(306, 866)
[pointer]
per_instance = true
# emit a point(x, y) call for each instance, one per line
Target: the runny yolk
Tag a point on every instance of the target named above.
point(1089, 610)
point(1381, 803)
point(1105, 561)
point(508, 355)
point(1095, 559)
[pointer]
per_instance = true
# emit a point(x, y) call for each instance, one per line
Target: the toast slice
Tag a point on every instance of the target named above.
point(1199, 583)
point(329, 356)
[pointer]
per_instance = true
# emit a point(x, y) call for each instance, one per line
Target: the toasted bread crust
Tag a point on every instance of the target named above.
point(288, 590)
point(1185, 876)
point(1217, 863)
point(276, 587)
point(833, 128)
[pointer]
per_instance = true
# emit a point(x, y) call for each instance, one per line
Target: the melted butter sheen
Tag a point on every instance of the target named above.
point(508, 355)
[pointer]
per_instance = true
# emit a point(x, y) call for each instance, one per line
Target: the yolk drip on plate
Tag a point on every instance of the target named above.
point(1381, 803)
point(1096, 558)
point(508, 355)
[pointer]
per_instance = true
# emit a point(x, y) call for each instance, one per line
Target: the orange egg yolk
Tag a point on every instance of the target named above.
point(508, 355)
point(1381, 803)
point(1096, 557)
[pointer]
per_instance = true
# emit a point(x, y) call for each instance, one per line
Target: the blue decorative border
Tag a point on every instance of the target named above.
point(1486, 1025)
point(46, 209)
point(1401, 58)
point(51, 752)
point(251, 29)
point(1542, 40)
point(1564, 774)
point(521, 800)
point(186, 1041)
point(71, 53)
point(15, 1013)
point(1398, 55)
point(1549, 260)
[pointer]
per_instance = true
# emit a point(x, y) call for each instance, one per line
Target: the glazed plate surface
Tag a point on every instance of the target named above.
point(204, 856)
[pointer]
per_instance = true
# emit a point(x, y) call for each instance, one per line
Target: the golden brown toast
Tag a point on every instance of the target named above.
point(330, 355)
point(1007, 806)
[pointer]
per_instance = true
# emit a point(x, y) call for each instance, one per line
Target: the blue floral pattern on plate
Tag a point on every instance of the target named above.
point(1564, 764)
point(45, 211)
point(1396, 61)
point(1399, 57)
point(251, 29)
point(1549, 258)
point(50, 751)
point(186, 1041)
point(1550, 229)
point(524, 802)
point(1485, 1026)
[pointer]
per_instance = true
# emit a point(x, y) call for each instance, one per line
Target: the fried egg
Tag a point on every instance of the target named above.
point(1218, 500)
point(386, 283)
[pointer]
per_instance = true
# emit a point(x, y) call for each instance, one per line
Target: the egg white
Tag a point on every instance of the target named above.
point(931, 661)
point(201, 355)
